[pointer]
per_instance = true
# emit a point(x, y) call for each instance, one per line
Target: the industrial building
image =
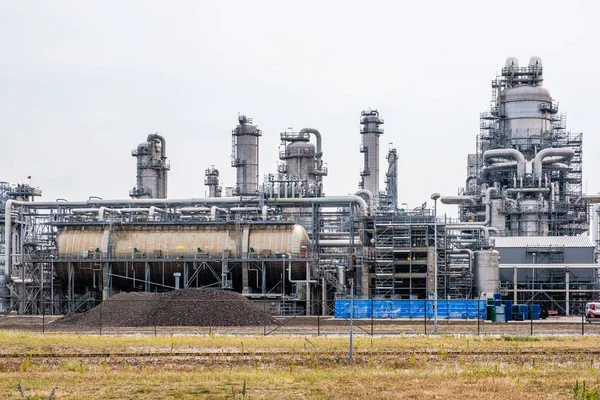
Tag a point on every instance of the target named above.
point(522, 229)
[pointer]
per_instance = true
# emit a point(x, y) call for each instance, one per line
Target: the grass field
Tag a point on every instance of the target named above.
point(296, 367)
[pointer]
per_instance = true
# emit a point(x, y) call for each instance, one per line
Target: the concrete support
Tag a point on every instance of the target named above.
point(71, 286)
point(567, 291)
point(147, 276)
point(186, 274)
point(245, 287)
point(104, 282)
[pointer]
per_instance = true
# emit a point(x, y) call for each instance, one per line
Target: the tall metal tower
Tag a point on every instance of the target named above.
point(244, 156)
point(391, 180)
point(526, 161)
point(152, 167)
point(370, 130)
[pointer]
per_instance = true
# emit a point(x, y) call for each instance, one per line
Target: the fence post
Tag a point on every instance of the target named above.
point(265, 323)
point(531, 317)
point(425, 314)
point(372, 315)
point(43, 318)
point(478, 317)
point(100, 308)
point(583, 322)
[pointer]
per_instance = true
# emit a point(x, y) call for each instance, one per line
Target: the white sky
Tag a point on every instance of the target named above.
point(83, 82)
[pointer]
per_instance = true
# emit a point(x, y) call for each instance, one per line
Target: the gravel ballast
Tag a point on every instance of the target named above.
point(187, 307)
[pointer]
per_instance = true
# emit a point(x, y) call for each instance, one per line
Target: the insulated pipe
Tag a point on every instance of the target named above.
point(338, 243)
point(458, 200)
point(554, 159)
point(103, 210)
point(213, 212)
point(154, 210)
point(86, 211)
point(368, 194)
point(559, 167)
point(589, 198)
point(486, 230)
point(507, 153)
point(339, 200)
point(194, 210)
point(471, 255)
point(540, 156)
point(244, 209)
point(500, 165)
point(528, 190)
point(130, 210)
point(265, 213)
point(488, 208)
point(289, 256)
point(317, 137)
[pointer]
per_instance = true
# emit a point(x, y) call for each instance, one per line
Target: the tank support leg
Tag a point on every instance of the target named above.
point(245, 289)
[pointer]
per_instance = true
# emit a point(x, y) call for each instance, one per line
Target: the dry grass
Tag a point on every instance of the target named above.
point(550, 374)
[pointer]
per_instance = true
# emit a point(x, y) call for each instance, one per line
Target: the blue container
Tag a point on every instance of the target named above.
point(508, 306)
point(497, 299)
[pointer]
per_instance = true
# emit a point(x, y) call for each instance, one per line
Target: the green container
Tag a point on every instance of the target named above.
point(491, 313)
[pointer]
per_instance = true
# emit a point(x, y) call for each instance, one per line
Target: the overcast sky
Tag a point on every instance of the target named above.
point(83, 82)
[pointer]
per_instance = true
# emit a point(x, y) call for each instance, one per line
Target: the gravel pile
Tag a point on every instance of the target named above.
point(188, 307)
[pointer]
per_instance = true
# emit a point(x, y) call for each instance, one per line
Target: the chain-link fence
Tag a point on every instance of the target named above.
point(276, 317)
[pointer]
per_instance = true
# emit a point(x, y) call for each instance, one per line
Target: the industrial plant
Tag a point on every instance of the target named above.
point(523, 229)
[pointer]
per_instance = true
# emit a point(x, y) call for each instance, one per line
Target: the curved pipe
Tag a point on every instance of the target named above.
point(213, 212)
point(488, 208)
point(163, 143)
point(541, 155)
point(317, 137)
point(458, 200)
point(507, 153)
point(368, 194)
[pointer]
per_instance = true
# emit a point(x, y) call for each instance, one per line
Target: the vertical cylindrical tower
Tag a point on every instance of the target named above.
point(152, 167)
point(244, 157)
point(370, 130)
point(526, 108)
point(391, 180)
point(211, 179)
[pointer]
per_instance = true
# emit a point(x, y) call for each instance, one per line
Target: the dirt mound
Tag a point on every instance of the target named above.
point(188, 307)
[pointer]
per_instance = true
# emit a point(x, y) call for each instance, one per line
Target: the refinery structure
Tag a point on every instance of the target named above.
point(523, 227)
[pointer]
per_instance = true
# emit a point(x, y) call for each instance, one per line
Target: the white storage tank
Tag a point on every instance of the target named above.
point(487, 273)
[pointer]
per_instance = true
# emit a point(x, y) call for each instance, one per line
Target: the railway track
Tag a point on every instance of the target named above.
point(250, 355)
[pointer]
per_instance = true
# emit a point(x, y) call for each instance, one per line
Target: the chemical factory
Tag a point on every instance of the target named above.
point(523, 231)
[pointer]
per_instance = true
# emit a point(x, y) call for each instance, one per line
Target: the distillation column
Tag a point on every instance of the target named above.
point(370, 130)
point(244, 157)
point(302, 164)
point(391, 180)
point(211, 179)
point(152, 167)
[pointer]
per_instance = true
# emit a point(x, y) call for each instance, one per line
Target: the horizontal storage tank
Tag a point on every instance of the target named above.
point(167, 247)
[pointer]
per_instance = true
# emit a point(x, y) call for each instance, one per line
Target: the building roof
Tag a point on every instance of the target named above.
point(543, 241)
